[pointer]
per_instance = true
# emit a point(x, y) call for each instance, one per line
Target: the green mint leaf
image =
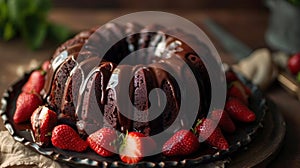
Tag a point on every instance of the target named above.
point(3, 12)
point(39, 37)
point(34, 31)
point(8, 32)
point(16, 10)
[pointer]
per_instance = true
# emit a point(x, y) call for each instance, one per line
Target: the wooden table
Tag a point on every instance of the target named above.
point(247, 25)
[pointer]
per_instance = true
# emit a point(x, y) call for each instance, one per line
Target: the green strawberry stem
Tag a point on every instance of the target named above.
point(43, 72)
point(194, 131)
point(49, 134)
point(121, 140)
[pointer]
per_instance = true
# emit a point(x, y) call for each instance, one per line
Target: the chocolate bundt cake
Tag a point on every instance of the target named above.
point(84, 88)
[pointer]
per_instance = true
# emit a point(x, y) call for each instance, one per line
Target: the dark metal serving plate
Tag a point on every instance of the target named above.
point(243, 136)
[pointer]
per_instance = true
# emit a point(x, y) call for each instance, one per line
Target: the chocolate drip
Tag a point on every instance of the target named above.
point(67, 105)
point(110, 110)
point(36, 126)
point(203, 81)
point(172, 92)
point(105, 70)
point(171, 112)
point(142, 87)
point(176, 47)
point(90, 111)
point(90, 106)
point(115, 108)
point(72, 86)
point(57, 62)
point(58, 85)
point(59, 82)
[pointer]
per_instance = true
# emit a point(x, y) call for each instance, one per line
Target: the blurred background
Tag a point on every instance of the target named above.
point(30, 30)
point(159, 5)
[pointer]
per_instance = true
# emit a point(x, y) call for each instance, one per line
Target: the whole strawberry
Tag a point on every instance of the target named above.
point(46, 65)
point(183, 142)
point(239, 111)
point(135, 146)
point(35, 82)
point(237, 90)
point(207, 131)
point(43, 120)
point(294, 63)
point(26, 104)
point(225, 122)
point(103, 142)
point(230, 76)
point(65, 137)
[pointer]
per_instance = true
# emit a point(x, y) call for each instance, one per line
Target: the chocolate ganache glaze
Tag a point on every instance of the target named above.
point(84, 89)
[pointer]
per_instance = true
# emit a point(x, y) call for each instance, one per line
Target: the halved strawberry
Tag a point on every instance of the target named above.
point(43, 120)
point(206, 131)
point(183, 142)
point(239, 111)
point(26, 104)
point(225, 121)
point(103, 142)
point(35, 82)
point(135, 146)
point(65, 137)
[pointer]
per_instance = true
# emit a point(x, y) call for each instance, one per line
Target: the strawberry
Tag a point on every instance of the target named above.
point(46, 65)
point(26, 104)
point(43, 120)
point(215, 138)
point(225, 122)
point(65, 137)
point(236, 89)
point(183, 142)
point(230, 76)
point(135, 146)
point(294, 63)
point(239, 111)
point(102, 142)
point(35, 82)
